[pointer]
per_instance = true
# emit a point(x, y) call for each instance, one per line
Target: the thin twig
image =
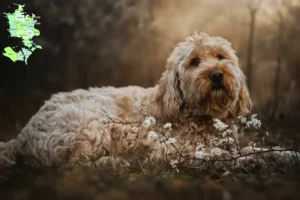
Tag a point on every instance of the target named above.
point(246, 155)
point(118, 122)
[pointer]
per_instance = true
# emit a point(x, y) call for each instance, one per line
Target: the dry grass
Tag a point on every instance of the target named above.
point(152, 182)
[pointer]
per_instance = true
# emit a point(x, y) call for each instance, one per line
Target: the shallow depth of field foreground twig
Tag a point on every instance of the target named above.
point(221, 153)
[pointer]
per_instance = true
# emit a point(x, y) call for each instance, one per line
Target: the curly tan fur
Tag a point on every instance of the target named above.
point(82, 126)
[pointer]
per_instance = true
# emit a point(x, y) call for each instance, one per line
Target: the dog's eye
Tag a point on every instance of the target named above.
point(195, 61)
point(220, 57)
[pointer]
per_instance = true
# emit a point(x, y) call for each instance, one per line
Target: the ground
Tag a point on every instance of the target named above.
point(108, 183)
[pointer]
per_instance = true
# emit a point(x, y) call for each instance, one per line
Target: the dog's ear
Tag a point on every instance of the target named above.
point(244, 102)
point(169, 96)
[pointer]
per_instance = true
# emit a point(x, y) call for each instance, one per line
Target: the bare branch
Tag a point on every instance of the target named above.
point(117, 121)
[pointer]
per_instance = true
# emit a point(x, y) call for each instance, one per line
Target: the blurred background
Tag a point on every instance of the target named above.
point(89, 43)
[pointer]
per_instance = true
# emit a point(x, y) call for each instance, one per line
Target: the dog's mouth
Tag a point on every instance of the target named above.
point(217, 87)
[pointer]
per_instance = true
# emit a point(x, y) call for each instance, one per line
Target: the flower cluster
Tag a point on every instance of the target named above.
point(171, 141)
point(200, 147)
point(219, 150)
point(219, 125)
point(252, 144)
point(168, 126)
point(149, 121)
point(174, 163)
point(226, 133)
point(217, 142)
point(201, 155)
point(135, 129)
point(200, 151)
point(254, 122)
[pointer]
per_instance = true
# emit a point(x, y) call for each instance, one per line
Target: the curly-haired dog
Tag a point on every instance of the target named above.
point(202, 81)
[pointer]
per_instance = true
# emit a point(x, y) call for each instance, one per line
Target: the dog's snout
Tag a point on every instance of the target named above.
point(216, 76)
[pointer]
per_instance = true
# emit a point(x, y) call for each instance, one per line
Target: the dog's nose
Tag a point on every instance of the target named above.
point(216, 76)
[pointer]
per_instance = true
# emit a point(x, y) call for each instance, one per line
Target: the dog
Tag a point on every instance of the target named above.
point(202, 82)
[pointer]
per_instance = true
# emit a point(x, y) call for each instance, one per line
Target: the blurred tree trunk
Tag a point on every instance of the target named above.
point(276, 87)
point(151, 5)
point(253, 7)
point(253, 13)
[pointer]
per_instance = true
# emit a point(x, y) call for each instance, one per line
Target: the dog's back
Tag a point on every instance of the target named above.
point(52, 131)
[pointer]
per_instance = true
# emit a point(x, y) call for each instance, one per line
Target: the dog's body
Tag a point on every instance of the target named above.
point(202, 81)
point(72, 126)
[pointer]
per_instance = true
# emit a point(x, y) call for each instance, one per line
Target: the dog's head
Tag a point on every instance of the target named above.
point(203, 74)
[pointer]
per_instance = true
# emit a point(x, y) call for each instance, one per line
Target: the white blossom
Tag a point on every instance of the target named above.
point(174, 163)
point(252, 144)
point(149, 121)
point(228, 140)
point(219, 125)
point(200, 147)
point(171, 141)
point(135, 129)
point(248, 124)
point(152, 119)
point(217, 142)
point(226, 133)
point(168, 126)
point(201, 155)
point(152, 135)
point(253, 122)
point(267, 133)
point(242, 119)
point(226, 173)
point(256, 123)
point(216, 151)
